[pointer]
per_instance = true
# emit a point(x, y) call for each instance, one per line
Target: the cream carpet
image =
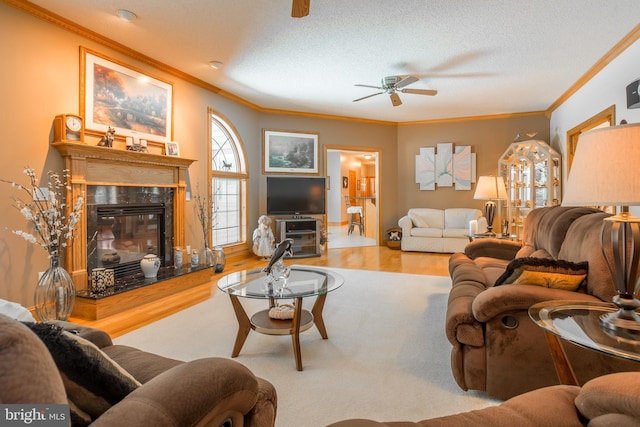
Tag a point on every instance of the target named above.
point(386, 357)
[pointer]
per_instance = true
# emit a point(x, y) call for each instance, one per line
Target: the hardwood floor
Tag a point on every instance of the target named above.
point(380, 258)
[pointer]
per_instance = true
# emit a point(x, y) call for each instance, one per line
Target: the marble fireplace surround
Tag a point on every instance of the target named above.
point(94, 165)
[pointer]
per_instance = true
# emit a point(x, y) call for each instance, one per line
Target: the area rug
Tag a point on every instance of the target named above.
point(386, 358)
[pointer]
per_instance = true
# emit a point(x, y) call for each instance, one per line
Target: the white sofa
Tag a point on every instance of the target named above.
point(439, 230)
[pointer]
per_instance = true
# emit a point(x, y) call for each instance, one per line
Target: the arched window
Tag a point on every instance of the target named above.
point(228, 184)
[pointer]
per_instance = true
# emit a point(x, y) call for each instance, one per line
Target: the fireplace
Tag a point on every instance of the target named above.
point(116, 184)
point(125, 223)
point(140, 198)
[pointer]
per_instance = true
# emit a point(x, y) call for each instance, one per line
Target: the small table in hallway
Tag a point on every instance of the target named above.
point(303, 282)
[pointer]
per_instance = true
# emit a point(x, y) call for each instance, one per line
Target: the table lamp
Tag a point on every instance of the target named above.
point(606, 172)
point(490, 188)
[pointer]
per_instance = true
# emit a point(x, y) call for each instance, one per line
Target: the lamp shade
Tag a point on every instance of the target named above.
point(490, 188)
point(606, 168)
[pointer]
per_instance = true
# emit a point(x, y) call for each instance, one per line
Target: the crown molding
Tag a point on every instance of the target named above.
point(48, 16)
point(613, 53)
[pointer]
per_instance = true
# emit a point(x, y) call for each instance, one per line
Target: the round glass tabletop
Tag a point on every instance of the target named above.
point(579, 323)
point(303, 281)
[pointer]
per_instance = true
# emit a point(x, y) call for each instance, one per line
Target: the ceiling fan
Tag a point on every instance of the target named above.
point(300, 8)
point(393, 84)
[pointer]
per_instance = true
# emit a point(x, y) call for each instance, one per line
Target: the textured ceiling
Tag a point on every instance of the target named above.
point(483, 56)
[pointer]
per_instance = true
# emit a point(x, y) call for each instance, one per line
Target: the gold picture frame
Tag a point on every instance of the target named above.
point(131, 101)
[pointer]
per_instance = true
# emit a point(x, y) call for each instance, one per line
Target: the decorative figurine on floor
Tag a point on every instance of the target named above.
point(107, 139)
point(263, 240)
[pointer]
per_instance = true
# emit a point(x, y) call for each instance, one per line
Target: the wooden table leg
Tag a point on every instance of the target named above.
point(244, 325)
point(561, 361)
point(295, 332)
point(317, 315)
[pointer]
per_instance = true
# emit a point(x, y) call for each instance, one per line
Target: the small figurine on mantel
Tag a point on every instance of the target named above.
point(107, 139)
point(263, 240)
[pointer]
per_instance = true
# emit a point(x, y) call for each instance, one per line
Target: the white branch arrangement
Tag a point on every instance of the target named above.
point(206, 210)
point(46, 210)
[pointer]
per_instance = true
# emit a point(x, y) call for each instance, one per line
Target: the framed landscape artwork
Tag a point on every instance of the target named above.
point(118, 96)
point(290, 152)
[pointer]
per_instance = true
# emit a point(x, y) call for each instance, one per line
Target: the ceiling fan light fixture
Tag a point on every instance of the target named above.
point(394, 84)
point(126, 15)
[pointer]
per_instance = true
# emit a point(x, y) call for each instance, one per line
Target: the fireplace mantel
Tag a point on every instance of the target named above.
point(74, 149)
point(94, 165)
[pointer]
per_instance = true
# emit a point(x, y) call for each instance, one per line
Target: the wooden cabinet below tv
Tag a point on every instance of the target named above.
point(305, 233)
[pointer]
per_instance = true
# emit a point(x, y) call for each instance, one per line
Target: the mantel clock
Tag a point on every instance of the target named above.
point(68, 128)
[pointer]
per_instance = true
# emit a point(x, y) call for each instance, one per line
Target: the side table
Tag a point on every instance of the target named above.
point(579, 323)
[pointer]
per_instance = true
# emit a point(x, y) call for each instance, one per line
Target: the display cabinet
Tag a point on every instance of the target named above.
point(531, 171)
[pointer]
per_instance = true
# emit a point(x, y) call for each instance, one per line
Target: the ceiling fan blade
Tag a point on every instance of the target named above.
point(395, 99)
point(368, 96)
point(300, 8)
point(373, 87)
point(430, 92)
point(406, 81)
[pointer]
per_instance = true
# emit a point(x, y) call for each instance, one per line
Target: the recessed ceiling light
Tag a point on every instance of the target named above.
point(127, 15)
point(215, 64)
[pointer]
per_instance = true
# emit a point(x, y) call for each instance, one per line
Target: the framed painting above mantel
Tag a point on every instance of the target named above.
point(287, 152)
point(131, 101)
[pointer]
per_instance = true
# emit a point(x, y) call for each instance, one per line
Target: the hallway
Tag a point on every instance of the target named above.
point(338, 238)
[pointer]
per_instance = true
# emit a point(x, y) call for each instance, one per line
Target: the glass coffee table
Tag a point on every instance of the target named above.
point(303, 282)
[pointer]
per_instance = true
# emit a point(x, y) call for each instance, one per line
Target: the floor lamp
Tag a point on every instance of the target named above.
point(606, 172)
point(490, 188)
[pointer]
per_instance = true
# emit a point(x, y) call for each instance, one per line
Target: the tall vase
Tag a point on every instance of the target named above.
point(208, 259)
point(55, 293)
point(220, 259)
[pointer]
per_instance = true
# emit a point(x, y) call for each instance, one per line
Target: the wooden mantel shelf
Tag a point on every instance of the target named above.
point(74, 149)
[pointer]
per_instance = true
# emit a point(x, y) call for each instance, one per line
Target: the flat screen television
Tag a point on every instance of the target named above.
point(295, 195)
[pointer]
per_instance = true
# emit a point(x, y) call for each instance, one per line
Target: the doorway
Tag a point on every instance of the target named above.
point(352, 174)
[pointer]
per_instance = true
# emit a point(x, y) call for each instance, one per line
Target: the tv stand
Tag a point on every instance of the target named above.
point(304, 231)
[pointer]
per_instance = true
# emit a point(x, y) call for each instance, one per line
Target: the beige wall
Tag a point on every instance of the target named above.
point(40, 79)
point(487, 138)
point(346, 133)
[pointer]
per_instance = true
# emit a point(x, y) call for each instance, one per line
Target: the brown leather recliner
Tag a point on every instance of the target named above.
point(496, 346)
point(203, 392)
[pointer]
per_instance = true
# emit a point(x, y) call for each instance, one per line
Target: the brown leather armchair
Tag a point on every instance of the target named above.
point(496, 347)
point(203, 392)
